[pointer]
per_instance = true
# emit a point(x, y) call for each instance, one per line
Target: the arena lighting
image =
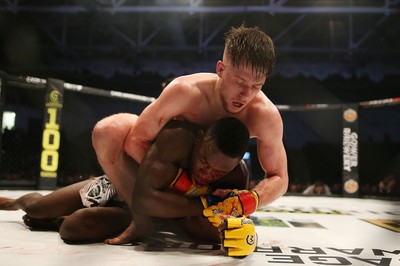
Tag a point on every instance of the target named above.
point(197, 7)
point(179, 2)
point(8, 120)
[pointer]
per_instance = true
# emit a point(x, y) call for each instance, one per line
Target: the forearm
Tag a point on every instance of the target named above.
point(122, 174)
point(167, 205)
point(270, 189)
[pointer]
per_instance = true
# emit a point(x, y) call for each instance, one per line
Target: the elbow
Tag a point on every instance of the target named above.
point(280, 183)
point(284, 184)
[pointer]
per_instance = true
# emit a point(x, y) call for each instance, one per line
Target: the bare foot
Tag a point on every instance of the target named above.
point(125, 237)
point(42, 224)
point(8, 204)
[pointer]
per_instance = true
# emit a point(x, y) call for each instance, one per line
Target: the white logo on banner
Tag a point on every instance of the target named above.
point(350, 115)
point(72, 86)
point(350, 149)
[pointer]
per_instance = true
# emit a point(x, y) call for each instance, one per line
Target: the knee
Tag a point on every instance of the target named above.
point(112, 131)
point(106, 128)
point(76, 226)
point(34, 207)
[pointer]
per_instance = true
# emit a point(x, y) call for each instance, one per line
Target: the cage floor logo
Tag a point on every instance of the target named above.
point(276, 255)
point(393, 225)
point(330, 256)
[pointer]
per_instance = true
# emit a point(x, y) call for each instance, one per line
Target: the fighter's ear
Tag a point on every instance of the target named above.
point(220, 68)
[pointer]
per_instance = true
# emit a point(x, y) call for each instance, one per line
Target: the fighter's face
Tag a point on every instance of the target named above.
point(208, 164)
point(319, 189)
point(238, 86)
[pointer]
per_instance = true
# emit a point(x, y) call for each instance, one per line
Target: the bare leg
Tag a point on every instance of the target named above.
point(8, 204)
point(43, 223)
point(58, 203)
point(94, 224)
point(108, 138)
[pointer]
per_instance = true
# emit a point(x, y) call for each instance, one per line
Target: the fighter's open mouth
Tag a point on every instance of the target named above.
point(237, 104)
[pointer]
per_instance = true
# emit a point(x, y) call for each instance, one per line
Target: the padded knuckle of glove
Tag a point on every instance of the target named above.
point(240, 238)
point(236, 203)
point(216, 220)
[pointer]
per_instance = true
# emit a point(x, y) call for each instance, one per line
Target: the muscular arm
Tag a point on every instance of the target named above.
point(174, 101)
point(272, 157)
point(159, 168)
point(156, 172)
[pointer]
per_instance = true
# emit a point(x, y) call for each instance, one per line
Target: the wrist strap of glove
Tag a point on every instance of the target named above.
point(183, 185)
point(181, 182)
point(249, 201)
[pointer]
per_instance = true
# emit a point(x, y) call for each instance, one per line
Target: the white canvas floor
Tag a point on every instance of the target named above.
point(292, 231)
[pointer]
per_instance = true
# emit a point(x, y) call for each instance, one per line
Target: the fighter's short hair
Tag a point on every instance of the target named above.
point(250, 46)
point(231, 135)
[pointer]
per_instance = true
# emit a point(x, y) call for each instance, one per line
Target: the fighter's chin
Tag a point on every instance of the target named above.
point(233, 109)
point(237, 106)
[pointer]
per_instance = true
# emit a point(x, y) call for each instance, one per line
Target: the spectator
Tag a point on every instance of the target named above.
point(317, 189)
point(388, 186)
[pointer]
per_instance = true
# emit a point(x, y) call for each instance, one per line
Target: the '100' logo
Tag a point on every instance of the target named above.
point(50, 144)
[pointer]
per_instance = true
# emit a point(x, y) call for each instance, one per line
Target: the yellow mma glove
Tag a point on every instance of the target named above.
point(235, 203)
point(238, 236)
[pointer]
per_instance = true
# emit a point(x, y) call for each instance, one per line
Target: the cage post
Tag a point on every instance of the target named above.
point(49, 157)
point(2, 96)
point(350, 150)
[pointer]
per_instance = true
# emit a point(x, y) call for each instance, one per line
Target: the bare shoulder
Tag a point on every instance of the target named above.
point(185, 92)
point(192, 83)
point(265, 118)
point(195, 77)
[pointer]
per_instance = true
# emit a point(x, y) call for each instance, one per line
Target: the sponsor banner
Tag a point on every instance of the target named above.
point(2, 83)
point(51, 134)
point(320, 106)
point(350, 150)
point(107, 93)
point(380, 102)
